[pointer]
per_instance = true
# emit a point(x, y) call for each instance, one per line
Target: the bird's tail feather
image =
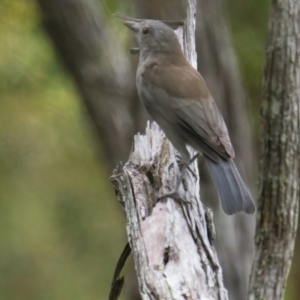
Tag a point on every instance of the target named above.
point(231, 188)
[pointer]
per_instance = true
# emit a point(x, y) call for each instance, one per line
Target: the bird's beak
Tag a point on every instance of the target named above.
point(132, 25)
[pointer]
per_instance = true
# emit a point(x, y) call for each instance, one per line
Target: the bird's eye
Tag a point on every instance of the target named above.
point(145, 30)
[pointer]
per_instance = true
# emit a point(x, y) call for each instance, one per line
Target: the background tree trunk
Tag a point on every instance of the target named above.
point(279, 171)
point(217, 63)
point(101, 69)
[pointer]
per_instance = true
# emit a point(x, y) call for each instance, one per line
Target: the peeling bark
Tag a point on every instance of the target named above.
point(279, 171)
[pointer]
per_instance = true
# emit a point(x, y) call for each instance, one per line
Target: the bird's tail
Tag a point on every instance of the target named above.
point(231, 188)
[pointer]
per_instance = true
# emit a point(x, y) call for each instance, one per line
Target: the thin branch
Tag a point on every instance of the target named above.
point(118, 282)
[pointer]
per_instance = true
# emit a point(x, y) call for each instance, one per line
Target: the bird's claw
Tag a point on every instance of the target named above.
point(184, 165)
point(175, 195)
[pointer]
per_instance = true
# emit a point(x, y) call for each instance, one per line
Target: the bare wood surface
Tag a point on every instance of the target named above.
point(171, 242)
point(279, 172)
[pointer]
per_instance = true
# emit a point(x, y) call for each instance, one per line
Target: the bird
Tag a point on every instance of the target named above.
point(178, 99)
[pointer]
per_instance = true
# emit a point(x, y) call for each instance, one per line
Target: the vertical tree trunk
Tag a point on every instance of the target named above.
point(279, 171)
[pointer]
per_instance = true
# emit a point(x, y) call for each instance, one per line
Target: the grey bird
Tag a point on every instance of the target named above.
point(177, 98)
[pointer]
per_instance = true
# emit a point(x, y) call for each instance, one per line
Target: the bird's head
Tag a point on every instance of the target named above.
point(155, 36)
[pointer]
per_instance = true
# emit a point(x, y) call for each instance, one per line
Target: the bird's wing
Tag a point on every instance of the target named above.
point(204, 122)
point(182, 93)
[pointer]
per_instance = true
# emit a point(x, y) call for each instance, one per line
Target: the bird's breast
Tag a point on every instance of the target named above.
point(142, 84)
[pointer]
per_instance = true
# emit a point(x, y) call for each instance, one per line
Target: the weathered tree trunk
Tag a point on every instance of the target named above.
point(101, 69)
point(170, 242)
point(217, 63)
point(279, 171)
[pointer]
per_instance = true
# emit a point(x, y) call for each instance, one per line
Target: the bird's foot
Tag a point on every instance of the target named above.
point(182, 167)
point(186, 165)
point(175, 195)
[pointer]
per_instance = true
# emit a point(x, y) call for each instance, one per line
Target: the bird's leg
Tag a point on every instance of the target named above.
point(182, 167)
point(174, 194)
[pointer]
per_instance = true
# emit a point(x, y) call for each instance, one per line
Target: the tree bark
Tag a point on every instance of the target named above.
point(171, 242)
point(101, 69)
point(279, 171)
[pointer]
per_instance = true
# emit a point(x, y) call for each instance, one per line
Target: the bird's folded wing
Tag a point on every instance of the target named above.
point(205, 123)
point(182, 93)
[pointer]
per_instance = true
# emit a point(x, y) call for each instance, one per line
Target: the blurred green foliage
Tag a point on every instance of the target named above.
point(61, 229)
point(248, 25)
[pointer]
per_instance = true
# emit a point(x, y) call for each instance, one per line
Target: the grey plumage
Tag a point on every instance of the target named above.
point(232, 190)
point(177, 98)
